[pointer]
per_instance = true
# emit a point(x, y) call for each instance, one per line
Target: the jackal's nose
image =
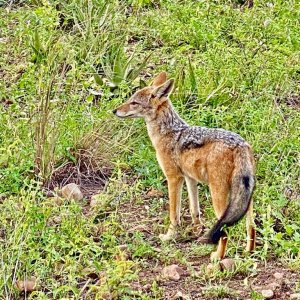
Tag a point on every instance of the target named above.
point(114, 111)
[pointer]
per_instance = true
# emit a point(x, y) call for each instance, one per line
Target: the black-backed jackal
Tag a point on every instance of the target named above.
point(220, 158)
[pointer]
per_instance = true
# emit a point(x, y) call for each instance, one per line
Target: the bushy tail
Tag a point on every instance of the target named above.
point(240, 195)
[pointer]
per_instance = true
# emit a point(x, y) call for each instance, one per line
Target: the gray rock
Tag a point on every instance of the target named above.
point(267, 294)
point(278, 276)
point(172, 272)
point(72, 191)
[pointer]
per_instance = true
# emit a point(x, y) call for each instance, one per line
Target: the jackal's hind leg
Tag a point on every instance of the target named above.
point(219, 193)
point(174, 187)
point(251, 233)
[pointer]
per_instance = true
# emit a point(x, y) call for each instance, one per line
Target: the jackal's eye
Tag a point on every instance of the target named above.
point(134, 103)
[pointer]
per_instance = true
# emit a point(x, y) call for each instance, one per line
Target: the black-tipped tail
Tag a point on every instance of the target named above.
point(240, 198)
point(214, 235)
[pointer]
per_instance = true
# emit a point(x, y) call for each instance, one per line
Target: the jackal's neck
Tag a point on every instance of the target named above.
point(166, 121)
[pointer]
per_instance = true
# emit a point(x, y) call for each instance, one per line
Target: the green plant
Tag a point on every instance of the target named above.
point(117, 68)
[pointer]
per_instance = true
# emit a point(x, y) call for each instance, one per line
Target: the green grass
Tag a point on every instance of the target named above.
point(63, 71)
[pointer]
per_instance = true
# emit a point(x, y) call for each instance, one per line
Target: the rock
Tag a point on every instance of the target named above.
point(140, 227)
point(27, 285)
point(278, 275)
point(147, 287)
point(153, 193)
point(180, 296)
point(54, 220)
point(295, 296)
point(72, 191)
point(2, 197)
point(273, 286)
point(227, 264)
point(267, 294)
point(172, 272)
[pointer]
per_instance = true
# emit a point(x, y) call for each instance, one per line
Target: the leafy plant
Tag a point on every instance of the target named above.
point(117, 68)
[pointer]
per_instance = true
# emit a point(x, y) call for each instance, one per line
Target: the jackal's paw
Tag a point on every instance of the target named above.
point(198, 229)
point(170, 235)
point(215, 256)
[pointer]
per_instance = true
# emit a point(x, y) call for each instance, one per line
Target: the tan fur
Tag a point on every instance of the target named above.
point(214, 162)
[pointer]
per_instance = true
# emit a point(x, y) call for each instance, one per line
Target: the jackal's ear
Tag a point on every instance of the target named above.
point(164, 90)
point(159, 79)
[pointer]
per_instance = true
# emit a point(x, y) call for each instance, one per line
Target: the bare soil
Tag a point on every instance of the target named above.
point(194, 283)
point(141, 215)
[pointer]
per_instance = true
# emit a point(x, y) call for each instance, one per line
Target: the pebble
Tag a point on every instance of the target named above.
point(227, 264)
point(72, 191)
point(267, 294)
point(27, 285)
point(180, 296)
point(278, 275)
point(172, 272)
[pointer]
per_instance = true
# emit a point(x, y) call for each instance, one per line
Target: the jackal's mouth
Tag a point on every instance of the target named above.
point(125, 116)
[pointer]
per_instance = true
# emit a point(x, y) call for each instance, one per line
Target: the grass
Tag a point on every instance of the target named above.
point(66, 64)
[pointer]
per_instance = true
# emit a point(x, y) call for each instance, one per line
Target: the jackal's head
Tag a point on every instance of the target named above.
point(146, 102)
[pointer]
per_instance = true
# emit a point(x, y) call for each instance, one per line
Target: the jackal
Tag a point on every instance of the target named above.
point(220, 158)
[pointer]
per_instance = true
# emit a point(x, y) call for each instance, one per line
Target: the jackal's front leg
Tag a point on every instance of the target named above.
point(174, 187)
point(194, 204)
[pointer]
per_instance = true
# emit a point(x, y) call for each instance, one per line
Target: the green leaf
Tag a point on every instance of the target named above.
point(37, 42)
point(135, 72)
point(98, 79)
point(192, 77)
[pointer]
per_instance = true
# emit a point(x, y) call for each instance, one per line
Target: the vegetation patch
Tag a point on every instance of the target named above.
point(64, 67)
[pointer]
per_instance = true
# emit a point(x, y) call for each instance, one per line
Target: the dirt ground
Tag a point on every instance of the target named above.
point(146, 216)
point(195, 283)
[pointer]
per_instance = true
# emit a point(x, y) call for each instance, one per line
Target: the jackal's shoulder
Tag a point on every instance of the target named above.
point(196, 137)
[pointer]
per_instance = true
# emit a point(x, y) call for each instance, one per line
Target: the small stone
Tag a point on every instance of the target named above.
point(54, 220)
point(147, 287)
point(273, 286)
point(27, 285)
point(295, 296)
point(267, 294)
point(278, 275)
point(180, 296)
point(153, 193)
point(72, 191)
point(2, 197)
point(267, 22)
point(140, 227)
point(172, 272)
point(227, 264)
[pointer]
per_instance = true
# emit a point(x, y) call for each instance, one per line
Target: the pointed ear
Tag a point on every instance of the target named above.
point(164, 90)
point(159, 79)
